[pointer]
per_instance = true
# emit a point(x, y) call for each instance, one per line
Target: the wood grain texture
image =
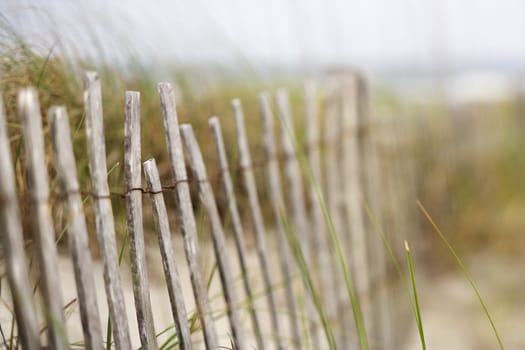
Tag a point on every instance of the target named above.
point(169, 264)
point(238, 229)
point(104, 221)
point(278, 208)
point(207, 198)
point(137, 248)
point(250, 187)
point(76, 230)
point(185, 211)
point(43, 230)
point(13, 246)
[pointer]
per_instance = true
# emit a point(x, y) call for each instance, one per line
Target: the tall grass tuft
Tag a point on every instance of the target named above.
point(304, 269)
point(465, 271)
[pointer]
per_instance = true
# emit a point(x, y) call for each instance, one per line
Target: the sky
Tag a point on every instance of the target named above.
point(373, 34)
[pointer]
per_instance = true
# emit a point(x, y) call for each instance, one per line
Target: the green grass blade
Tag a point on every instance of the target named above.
point(465, 272)
point(308, 281)
point(416, 299)
point(393, 259)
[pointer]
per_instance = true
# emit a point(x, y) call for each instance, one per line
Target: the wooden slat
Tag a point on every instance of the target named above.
point(160, 216)
point(340, 311)
point(103, 211)
point(278, 208)
point(382, 328)
point(207, 198)
point(237, 226)
point(43, 231)
point(13, 246)
point(77, 230)
point(185, 211)
point(320, 238)
point(296, 200)
point(137, 248)
point(245, 164)
point(351, 184)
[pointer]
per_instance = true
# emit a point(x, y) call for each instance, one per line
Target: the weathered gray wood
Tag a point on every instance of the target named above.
point(278, 208)
point(339, 313)
point(76, 229)
point(185, 211)
point(13, 246)
point(296, 191)
point(103, 211)
point(38, 184)
point(382, 327)
point(137, 249)
point(245, 164)
point(351, 185)
point(237, 226)
point(207, 198)
point(160, 216)
point(320, 239)
point(296, 200)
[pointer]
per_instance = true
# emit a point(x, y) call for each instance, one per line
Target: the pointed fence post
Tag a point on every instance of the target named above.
point(185, 211)
point(207, 197)
point(277, 202)
point(13, 246)
point(29, 113)
point(237, 226)
point(137, 251)
point(245, 164)
point(160, 216)
point(103, 212)
point(76, 230)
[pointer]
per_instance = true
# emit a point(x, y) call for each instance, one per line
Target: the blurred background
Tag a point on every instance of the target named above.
point(454, 69)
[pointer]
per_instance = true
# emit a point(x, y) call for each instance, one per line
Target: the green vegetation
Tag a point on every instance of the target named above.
point(419, 321)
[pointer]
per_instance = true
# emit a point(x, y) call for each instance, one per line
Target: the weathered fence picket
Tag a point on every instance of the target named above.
point(237, 227)
point(185, 211)
point(296, 199)
point(278, 207)
point(245, 164)
point(13, 246)
point(207, 198)
point(332, 140)
point(104, 222)
point(320, 251)
point(160, 216)
point(29, 113)
point(137, 251)
point(342, 167)
point(76, 229)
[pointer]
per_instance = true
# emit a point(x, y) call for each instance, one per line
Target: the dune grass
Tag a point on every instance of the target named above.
point(465, 271)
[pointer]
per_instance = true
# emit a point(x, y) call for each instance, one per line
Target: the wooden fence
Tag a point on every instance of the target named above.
point(337, 189)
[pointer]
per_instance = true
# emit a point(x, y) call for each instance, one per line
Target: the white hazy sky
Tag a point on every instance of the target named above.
point(371, 33)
